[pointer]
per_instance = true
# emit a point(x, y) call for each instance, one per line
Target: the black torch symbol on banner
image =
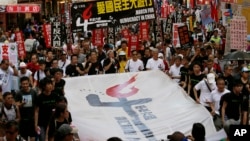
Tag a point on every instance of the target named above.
point(126, 104)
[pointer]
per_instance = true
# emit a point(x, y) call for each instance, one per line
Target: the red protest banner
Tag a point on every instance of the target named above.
point(144, 30)
point(97, 37)
point(47, 35)
point(133, 43)
point(20, 44)
point(165, 11)
point(5, 52)
point(125, 34)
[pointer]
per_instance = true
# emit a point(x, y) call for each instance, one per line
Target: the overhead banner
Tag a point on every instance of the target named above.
point(108, 13)
point(56, 37)
point(238, 33)
point(132, 109)
point(9, 52)
point(184, 36)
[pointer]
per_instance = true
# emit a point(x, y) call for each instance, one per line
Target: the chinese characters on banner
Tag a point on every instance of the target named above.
point(126, 34)
point(109, 13)
point(133, 43)
point(144, 30)
point(184, 36)
point(56, 34)
point(97, 37)
point(20, 44)
point(47, 35)
point(9, 52)
point(176, 40)
point(238, 33)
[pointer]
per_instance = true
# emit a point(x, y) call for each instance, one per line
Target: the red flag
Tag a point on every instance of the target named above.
point(144, 30)
point(5, 52)
point(214, 12)
point(125, 34)
point(20, 45)
point(97, 37)
point(47, 35)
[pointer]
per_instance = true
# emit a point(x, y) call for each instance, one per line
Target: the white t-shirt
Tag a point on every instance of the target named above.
point(62, 65)
point(205, 95)
point(28, 73)
point(6, 79)
point(134, 66)
point(175, 71)
point(155, 64)
point(215, 98)
point(41, 75)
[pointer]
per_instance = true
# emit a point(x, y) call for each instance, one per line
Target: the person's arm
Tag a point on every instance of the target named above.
point(18, 117)
point(223, 111)
point(196, 96)
point(211, 104)
point(88, 66)
point(127, 66)
point(189, 86)
point(31, 80)
point(36, 119)
point(35, 80)
point(13, 69)
point(78, 69)
point(107, 65)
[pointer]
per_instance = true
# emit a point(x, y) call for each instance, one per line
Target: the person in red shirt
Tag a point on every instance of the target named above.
point(33, 66)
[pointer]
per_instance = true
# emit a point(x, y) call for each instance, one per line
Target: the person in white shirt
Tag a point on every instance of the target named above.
point(63, 63)
point(7, 71)
point(174, 70)
point(155, 63)
point(215, 102)
point(40, 74)
point(134, 64)
point(206, 86)
point(25, 72)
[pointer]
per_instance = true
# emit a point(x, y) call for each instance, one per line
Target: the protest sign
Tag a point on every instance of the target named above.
point(206, 16)
point(144, 30)
point(9, 52)
point(56, 33)
point(20, 44)
point(184, 36)
point(47, 35)
point(133, 43)
point(226, 16)
point(97, 37)
point(176, 40)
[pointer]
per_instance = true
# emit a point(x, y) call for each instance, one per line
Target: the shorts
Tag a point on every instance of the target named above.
point(27, 128)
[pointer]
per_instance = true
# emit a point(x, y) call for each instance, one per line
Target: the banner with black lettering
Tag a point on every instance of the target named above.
point(107, 13)
point(142, 106)
point(56, 37)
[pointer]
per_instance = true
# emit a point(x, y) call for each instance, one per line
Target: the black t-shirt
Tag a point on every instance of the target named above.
point(233, 105)
point(46, 104)
point(41, 57)
point(145, 60)
point(71, 70)
point(228, 81)
point(59, 87)
point(95, 68)
point(101, 56)
point(113, 68)
point(198, 59)
point(48, 63)
point(27, 110)
point(54, 125)
point(184, 73)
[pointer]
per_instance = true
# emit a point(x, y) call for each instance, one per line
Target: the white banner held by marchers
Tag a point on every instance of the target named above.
point(132, 106)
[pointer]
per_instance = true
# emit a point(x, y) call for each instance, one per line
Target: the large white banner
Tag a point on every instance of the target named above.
point(133, 106)
point(9, 51)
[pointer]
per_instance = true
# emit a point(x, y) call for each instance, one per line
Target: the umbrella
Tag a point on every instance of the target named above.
point(237, 55)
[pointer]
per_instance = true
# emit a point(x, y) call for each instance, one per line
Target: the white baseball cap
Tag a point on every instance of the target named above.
point(22, 65)
point(211, 78)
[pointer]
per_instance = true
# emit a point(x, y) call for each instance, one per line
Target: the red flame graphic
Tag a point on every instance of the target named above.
point(87, 13)
point(115, 90)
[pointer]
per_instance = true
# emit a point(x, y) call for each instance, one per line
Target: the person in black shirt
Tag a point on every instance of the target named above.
point(194, 78)
point(197, 56)
point(145, 57)
point(25, 100)
point(45, 104)
point(93, 67)
point(184, 73)
point(101, 53)
point(110, 64)
point(232, 106)
point(49, 58)
point(59, 83)
point(227, 76)
point(74, 68)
